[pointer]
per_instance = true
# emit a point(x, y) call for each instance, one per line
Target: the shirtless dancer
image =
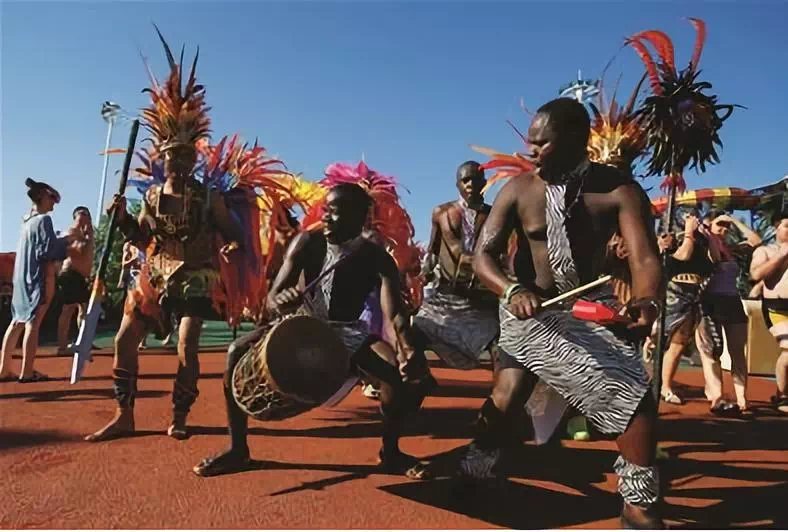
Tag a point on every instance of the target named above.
point(339, 300)
point(73, 278)
point(460, 319)
point(770, 265)
point(566, 211)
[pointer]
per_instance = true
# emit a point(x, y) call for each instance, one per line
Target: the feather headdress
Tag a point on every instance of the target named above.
point(387, 217)
point(681, 121)
point(505, 166)
point(178, 114)
point(617, 135)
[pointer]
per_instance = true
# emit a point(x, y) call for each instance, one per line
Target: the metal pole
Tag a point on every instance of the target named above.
point(99, 207)
point(660, 347)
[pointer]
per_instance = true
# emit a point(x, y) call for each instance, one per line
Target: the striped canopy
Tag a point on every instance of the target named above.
point(728, 198)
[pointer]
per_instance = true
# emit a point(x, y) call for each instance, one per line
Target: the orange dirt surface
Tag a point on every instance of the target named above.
point(318, 470)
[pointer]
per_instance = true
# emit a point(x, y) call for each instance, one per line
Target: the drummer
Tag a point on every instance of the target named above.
point(338, 298)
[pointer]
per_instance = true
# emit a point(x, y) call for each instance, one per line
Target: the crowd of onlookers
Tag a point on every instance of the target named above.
point(704, 306)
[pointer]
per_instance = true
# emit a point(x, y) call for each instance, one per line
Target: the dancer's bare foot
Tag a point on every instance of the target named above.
point(230, 461)
point(177, 428)
point(637, 518)
point(399, 463)
point(121, 425)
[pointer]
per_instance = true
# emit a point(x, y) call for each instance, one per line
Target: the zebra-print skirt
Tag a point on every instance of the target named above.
point(457, 330)
point(595, 370)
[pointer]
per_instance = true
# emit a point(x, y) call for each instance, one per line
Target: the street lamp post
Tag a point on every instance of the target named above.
point(109, 112)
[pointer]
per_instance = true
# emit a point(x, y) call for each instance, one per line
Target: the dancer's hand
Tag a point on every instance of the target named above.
point(524, 304)
point(643, 313)
point(119, 203)
point(228, 250)
point(665, 241)
point(285, 300)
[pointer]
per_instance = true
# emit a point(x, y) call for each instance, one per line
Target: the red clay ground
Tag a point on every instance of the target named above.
point(317, 471)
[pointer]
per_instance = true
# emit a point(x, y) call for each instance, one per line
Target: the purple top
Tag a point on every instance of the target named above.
point(723, 281)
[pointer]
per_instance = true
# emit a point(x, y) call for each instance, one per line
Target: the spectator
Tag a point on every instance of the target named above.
point(72, 283)
point(769, 268)
point(687, 268)
point(723, 309)
point(34, 279)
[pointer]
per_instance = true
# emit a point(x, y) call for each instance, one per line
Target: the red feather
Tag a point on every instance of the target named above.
point(662, 44)
point(651, 68)
point(700, 39)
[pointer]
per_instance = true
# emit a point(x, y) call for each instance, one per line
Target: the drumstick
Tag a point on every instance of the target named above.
point(578, 290)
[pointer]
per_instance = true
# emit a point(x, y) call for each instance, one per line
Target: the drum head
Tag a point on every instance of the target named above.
point(306, 359)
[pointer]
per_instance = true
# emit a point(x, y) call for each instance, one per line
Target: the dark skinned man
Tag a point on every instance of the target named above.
point(460, 320)
point(564, 213)
point(338, 298)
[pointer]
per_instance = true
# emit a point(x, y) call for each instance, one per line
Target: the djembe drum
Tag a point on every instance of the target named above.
point(298, 365)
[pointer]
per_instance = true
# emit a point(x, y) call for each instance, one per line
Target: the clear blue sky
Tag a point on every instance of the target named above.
point(409, 85)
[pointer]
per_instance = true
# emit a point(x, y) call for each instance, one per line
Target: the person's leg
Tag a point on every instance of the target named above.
point(10, 341)
point(736, 333)
point(638, 478)
point(781, 375)
point(236, 457)
point(124, 376)
point(398, 400)
point(64, 327)
point(495, 427)
point(30, 341)
point(712, 371)
point(670, 366)
point(185, 390)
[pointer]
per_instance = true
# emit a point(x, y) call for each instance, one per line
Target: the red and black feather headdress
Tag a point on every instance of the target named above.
point(682, 121)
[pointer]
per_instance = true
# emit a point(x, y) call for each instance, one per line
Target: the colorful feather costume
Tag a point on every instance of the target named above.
point(681, 121)
point(255, 188)
point(387, 218)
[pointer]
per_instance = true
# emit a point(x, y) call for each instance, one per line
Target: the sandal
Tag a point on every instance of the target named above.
point(9, 378)
point(222, 464)
point(36, 377)
point(672, 398)
point(399, 463)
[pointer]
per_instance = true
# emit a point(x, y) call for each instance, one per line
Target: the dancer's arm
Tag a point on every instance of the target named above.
point(283, 293)
point(634, 217)
point(394, 308)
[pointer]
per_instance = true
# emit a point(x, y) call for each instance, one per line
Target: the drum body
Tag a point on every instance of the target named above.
point(299, 364)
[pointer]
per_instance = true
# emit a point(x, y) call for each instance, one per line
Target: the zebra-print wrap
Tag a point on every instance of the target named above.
point(638, 485)
point(594, 369)
point(457, 329)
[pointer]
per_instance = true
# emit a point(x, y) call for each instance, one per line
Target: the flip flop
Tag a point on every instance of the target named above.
point(9, 378)
point(36, 377)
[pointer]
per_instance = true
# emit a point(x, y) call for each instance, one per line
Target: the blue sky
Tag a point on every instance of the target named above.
point(409, 85)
